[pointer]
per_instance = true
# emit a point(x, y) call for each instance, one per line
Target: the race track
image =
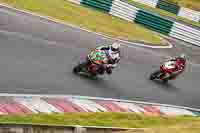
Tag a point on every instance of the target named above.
point(37, 57)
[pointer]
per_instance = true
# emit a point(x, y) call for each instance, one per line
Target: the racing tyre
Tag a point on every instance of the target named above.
point(154, 75)
point(77, 69)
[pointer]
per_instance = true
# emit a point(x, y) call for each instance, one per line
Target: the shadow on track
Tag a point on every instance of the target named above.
point(169, 87)
point(100, 80)
point(105, 83)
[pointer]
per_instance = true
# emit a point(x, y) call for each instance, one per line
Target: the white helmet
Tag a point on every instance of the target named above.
point(183, 56)
point(115, 46)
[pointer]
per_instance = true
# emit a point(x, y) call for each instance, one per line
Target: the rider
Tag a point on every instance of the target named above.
point(113, 54)
point(180, 62)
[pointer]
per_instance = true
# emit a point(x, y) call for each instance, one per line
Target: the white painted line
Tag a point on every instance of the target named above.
point(83, 29)
point(143, 45)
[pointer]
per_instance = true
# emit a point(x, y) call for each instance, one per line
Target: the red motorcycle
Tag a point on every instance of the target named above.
point(167, 67)
point(97, 66)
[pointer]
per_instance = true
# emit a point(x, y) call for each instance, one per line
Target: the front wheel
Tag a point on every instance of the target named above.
point(77, 69)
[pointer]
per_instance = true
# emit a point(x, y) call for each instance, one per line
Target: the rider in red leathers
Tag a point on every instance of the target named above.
point(113, 55)
point(180, 63)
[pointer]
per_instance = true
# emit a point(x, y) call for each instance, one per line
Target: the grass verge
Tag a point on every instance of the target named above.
point(163, 13)
point(193, 127)
point(88, 18)
point(130, 120)
point(192, 4)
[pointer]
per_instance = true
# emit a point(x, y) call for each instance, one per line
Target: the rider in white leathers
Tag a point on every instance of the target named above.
point(113, 53)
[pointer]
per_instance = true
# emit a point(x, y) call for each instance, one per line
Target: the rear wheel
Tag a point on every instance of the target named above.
point(154, 75)
point(77, 68)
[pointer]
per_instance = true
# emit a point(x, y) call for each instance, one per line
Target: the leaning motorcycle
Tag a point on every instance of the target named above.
point(167, 67)
point(97, 66)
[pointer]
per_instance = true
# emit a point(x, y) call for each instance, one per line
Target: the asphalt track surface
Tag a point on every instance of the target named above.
point(37, 57)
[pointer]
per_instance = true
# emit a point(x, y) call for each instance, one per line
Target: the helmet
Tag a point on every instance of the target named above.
point(183, 56)
point(115, 46)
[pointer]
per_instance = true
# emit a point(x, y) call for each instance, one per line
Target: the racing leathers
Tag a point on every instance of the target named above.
point(179, 67)
point(113, 56)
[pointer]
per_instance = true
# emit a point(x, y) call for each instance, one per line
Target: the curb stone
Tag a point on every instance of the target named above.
point(35, 104)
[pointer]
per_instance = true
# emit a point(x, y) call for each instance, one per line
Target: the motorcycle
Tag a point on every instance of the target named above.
point(97, 66)
point(167, 67)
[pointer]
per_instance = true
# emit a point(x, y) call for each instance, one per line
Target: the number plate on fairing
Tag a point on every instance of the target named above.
point(169, 65)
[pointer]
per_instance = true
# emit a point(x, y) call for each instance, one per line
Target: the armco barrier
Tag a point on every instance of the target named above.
point(33, 104)
point(75, 1)
point(167, 6)
point(173, 8)
point(104, 5)
point(123, 10)
point(151, 3)
point(185, 33)
point(152, 21)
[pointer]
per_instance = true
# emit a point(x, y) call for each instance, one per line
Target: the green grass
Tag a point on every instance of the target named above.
point(192, 127)
point(192, 4)
point(88, 18)
point(163, 12)
point(130, 120)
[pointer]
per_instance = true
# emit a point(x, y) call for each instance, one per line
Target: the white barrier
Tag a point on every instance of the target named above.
point(189, 14)
point(76, 1)
point(123, 10)
point(185, 33)
point(128, 12)
point(151, 3)
point(184, 38)
point(124, 6)
point(188, 28)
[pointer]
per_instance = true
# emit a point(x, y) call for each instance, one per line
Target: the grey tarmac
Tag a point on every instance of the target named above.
point(37, 57)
